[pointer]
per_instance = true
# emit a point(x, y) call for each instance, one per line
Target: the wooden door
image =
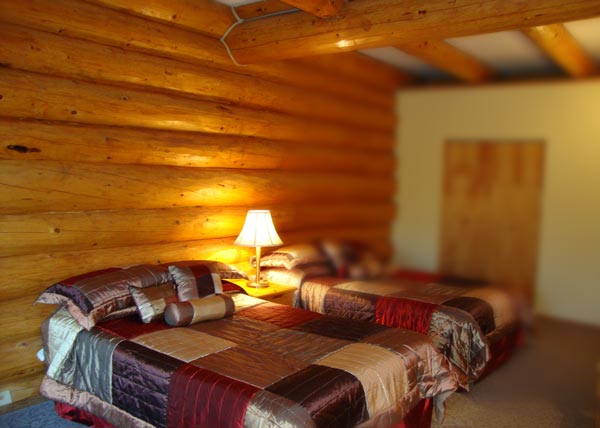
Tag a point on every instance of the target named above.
point(491, 212)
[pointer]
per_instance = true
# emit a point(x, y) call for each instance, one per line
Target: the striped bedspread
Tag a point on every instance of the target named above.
point(268, 365)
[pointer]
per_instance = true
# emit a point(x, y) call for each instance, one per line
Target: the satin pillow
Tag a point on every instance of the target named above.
point(152, 301)
point(292, 256)
point(198, 310)
point(102, 294)
point(196, 281)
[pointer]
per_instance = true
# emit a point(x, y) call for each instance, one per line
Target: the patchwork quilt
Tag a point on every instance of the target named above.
point(461, 321)
point(268, 365)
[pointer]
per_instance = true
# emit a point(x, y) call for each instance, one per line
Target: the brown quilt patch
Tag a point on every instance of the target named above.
point(340, 328)
point(250, 366)
point(303, 346)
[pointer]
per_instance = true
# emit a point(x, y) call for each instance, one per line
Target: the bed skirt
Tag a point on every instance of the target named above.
point(418, 417)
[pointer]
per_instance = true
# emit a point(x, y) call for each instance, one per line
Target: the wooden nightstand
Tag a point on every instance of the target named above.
point(276, 293)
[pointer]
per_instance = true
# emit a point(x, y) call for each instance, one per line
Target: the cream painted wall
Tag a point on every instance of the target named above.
point(567, 117)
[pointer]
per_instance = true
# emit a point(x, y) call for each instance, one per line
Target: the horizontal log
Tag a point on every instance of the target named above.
point(87, 21)
point(360, 67)
point(206, 16)
point(49, 232)
point(374, 23)
point(40, 186)
point(43, 52)
point(19, 358)
point(261, 8)
point(23, 388)
point(318, 8)
point(34, 96)
point(29, 275)
point(21, 319)
point(35, 140)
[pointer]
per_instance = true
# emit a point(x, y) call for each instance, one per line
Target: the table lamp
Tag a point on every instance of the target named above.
point(258, 231)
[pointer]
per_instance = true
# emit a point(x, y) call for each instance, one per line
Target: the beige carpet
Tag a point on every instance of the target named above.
point(549, 383)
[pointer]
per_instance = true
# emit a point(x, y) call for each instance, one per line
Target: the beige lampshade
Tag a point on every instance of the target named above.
point(258, 230)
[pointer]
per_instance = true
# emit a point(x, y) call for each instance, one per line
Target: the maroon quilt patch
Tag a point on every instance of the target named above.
point(404, 313)
point(203, 398)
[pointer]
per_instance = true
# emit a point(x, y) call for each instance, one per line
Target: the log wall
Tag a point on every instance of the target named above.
point(128, 136)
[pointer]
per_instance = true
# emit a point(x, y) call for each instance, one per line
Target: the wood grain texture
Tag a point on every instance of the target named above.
point(36, 272)
point(23, 388)
point(444, 56)
point(19, 358)
point(491, 212)
point(361, 68)
point(130, 138)
point(55, 231)
point(80, 20)
point(556, 41)
point(373, 23)
point(206, 16)
point(319, 8)
point(34, 96)
point(43, 186)
point(42, 52)
point(262, 8)
point(36, 140)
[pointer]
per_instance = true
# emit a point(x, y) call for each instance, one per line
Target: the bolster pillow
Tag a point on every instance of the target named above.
point(198, 310)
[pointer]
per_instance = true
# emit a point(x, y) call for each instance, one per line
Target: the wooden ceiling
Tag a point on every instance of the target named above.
point(270, 30)
point(428, 30)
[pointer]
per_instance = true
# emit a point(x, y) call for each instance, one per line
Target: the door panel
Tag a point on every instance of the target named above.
point(491, 211)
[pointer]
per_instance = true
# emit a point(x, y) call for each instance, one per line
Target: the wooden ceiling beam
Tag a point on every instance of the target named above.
point(318, 8)
point(446, 57)
point(205, 16)
point(556, 41)
point(262, 8)
point(372, 23)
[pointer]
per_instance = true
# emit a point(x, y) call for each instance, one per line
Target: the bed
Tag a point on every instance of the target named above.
point(475, 326)
point(182, 347)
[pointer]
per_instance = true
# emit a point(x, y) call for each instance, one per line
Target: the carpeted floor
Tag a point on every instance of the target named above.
point(38, 416)
point(550, 383)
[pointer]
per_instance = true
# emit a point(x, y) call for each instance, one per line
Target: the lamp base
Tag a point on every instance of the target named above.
point(260, 284)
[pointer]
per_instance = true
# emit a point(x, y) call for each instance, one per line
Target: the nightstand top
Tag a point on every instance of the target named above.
point(266, 292)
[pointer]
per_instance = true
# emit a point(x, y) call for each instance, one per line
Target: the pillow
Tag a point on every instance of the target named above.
point(292, 256)
point(198, 310)
point(196, 281)
point(224, 270)
point(295, 277)
point(102, 294)
point(151, 301)
point(352, 260)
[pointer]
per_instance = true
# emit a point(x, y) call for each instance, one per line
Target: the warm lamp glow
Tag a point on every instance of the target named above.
point(258, 231)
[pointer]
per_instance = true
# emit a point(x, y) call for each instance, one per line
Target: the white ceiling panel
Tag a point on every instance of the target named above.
point(508, 53)
point(587, 33)
point(405, 62)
